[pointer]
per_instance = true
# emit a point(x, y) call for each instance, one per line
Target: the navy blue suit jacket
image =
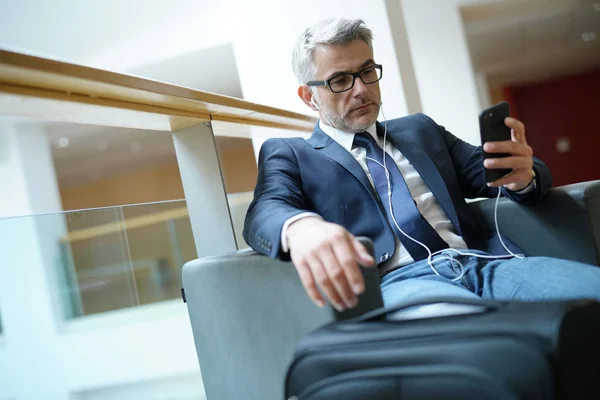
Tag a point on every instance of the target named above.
point(318, 175)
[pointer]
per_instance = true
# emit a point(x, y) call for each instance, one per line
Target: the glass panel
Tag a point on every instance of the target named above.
point(157, 248)
point(129, 259)
point(83, 257)
point(113, 258)
point(96, 269)
point(181, 233)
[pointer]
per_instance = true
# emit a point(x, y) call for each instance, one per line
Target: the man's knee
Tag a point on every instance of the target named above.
point(545, 278)
point(417, 289)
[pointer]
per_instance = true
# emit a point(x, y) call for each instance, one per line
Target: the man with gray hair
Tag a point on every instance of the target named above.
point(402, 183)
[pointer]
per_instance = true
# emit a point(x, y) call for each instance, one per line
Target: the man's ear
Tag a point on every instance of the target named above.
point(306, 96)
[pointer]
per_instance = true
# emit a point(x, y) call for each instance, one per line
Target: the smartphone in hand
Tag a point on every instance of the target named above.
point(371, 299)
point(493, 129)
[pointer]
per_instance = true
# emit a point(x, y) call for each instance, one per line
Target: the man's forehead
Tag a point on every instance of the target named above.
point(328, 58)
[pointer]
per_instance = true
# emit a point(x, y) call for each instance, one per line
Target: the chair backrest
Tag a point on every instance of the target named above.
point(247, 314)
point(566, 224)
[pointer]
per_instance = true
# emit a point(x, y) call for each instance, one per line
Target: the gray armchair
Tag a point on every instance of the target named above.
point(248, 311)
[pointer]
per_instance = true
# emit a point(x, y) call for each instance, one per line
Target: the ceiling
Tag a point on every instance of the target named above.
point(516, 42)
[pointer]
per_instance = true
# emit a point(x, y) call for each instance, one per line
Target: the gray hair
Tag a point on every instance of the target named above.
point(340, 31)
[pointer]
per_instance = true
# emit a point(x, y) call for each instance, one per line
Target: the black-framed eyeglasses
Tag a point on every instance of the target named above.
point(341, 83)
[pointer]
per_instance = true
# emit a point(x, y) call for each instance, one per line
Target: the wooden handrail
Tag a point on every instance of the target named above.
point(47, 89)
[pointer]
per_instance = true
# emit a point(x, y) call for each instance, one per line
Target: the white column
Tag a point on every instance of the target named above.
point(29, 296)
point(442, 65)
point(397, 22)
point(27, 176)
point(204, 190)
point(483, 90)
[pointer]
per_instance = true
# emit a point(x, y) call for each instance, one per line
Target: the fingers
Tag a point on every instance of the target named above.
point(325, 283)
point(335, 269)
point(510, 147)
point(518, 129)
point(509, 162)
point(347, 260)
point(327, 258)
point(339, 269)
point(364, 258)
point(520, 161)
point(308, 281)
point(517, 146)
point(521, 173)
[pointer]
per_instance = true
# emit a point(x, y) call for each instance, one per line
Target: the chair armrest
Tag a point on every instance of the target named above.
point(566, 224)
point(247, 313)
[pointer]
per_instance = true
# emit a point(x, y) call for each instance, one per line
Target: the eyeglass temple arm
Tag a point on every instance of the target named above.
point(316, 83)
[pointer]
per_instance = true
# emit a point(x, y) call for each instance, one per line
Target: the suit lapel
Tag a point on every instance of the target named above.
point(331, 149)
point(426, 168)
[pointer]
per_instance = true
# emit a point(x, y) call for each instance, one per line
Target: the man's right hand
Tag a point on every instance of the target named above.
point(328, 255)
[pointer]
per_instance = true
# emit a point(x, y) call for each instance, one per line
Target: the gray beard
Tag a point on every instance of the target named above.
point(338, 122)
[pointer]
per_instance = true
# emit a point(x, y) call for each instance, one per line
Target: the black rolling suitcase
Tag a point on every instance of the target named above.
point(454, 349)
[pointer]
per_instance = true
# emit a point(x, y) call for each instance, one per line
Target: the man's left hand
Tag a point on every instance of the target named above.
point(520, 159)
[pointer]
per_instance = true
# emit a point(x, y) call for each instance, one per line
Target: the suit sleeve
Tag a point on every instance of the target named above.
point(278, 196)
point(468, 163)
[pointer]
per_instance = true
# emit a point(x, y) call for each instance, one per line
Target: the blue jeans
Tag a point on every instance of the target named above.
point(528, 279)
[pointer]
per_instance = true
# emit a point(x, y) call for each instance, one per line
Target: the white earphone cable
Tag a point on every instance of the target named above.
point(430, 259)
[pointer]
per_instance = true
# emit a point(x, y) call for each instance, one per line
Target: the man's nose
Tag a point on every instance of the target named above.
point(359, 87)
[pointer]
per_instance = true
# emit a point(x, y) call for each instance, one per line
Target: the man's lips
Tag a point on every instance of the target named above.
point(363, 107)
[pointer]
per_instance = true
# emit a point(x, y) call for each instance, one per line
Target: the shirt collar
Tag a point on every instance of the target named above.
point(345, 139)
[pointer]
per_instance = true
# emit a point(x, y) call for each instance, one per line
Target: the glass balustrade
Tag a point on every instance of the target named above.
point(118, 257)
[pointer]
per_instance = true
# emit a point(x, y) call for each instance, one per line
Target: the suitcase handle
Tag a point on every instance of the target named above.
point(381, 313)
